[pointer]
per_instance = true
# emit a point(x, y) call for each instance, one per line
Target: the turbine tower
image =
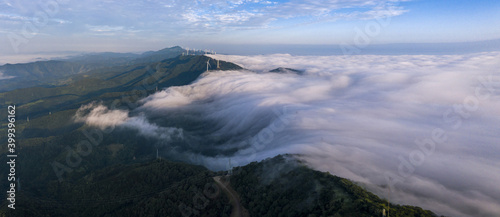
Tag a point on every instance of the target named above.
point(389, 202)
point(208, 64)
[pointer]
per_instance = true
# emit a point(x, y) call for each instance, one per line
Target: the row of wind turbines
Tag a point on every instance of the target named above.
point(194, 51)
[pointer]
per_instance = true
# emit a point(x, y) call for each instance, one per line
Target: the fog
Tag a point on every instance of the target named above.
point(2, 76)
point(98, 115)
point(425, 125)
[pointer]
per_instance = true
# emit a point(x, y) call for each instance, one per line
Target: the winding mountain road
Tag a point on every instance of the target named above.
point(238, 210)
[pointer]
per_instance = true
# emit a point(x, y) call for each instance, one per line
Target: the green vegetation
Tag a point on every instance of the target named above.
point(158, 188)
point(62, 71)
point(125, 83)
point(282, 186)
point(51, 131)
point(37, 73)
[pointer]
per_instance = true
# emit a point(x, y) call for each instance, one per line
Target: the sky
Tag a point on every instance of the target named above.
point(51, 26)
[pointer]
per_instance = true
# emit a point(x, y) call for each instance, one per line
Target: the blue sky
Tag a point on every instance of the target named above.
point(28, 26)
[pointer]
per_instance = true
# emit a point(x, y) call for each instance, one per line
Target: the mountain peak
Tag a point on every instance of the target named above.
point(287, 70)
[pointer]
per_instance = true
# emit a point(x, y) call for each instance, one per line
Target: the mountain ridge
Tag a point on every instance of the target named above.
point(50, 71)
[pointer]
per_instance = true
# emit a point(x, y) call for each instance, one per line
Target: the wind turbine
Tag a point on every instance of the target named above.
point(218, 66)
point(208, 64)
point(389, 202)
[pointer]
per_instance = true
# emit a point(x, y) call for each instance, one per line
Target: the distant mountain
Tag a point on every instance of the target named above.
point(107, 84)
point(36, 73)
point(155, 56)
point(105, 59)
point(55, 72)
point(287, 70)
point(108, 59)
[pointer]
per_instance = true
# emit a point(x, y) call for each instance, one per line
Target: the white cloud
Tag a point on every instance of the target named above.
point(2, 76)
point(222, 14)
point(13, 17)
point(98, 115)
point(184, 22)
point(377, 107)
point(325, 8)
point(104, 28)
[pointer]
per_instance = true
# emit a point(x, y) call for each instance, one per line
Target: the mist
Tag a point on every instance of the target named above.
point(2, 76)
point(424, 125)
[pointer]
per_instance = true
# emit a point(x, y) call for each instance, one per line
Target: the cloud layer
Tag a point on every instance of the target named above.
point(2, 76)
point(426, 125)
point(98, 115)
point(207, 14)
point(112, 25)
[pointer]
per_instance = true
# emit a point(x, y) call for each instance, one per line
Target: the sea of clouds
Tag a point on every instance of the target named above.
point(424, 126)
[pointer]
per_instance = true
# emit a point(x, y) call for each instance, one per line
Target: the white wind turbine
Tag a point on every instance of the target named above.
point(208, 64)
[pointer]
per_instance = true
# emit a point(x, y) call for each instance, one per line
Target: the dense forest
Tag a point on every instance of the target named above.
point(156, 188)
point(283, 186)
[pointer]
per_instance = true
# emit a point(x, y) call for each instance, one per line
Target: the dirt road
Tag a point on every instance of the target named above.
point(238, 210)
